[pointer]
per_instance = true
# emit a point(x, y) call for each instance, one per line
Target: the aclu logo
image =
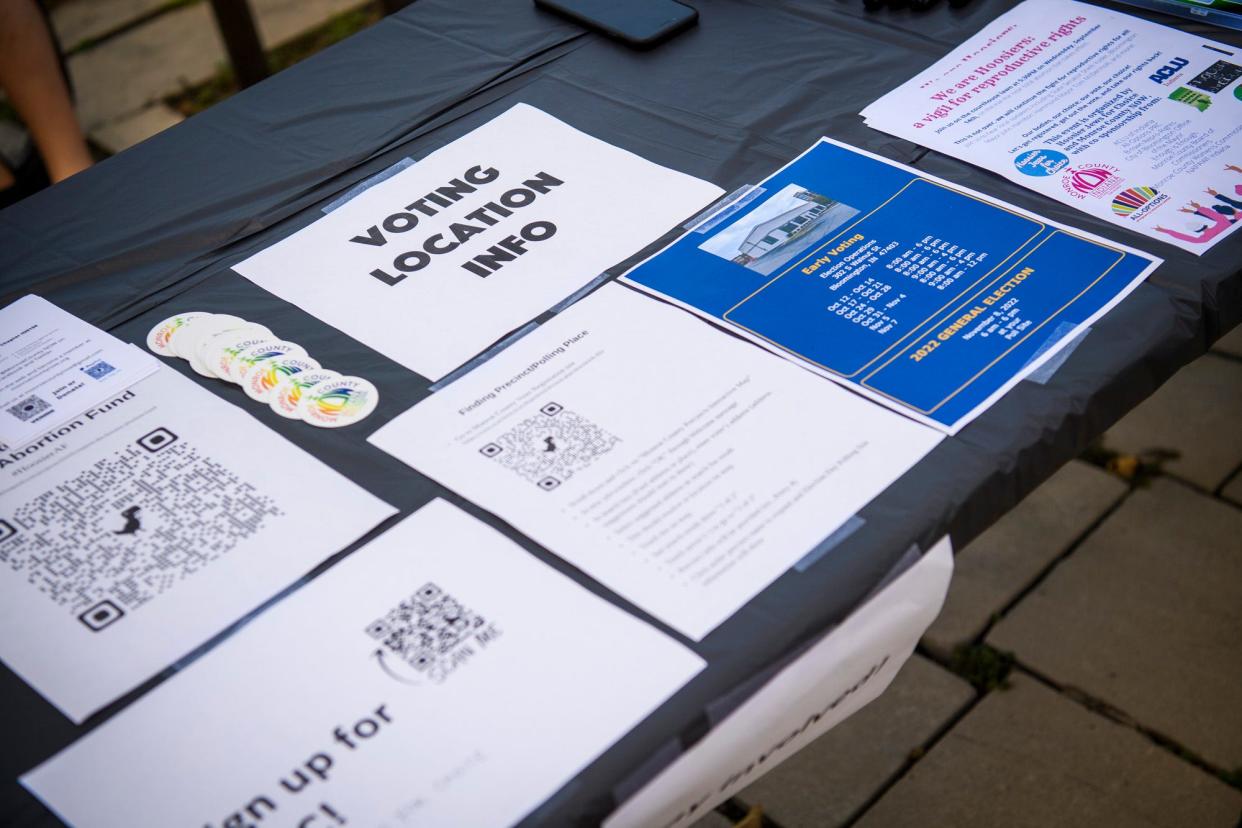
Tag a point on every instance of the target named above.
point(1165, 73)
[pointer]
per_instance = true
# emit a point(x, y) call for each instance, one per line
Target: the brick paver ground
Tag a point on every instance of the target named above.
point(1121, 604)
point(126, 56)
point(831, 780)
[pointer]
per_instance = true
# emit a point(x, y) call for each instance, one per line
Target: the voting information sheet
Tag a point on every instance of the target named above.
point(924, 296)
point(683, 468)
point(1136, 123)
point(54, 366)
point(439, 676)
point(139, 529)
point(434, 264)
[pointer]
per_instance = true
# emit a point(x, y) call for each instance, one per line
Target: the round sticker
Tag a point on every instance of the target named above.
point(1041, 162)
point(219, 350)
point(186, 339)
point(265, 376)
point(338, 402)
point(186, 343)
point(269, 349)
point(159, 340)
point(288, 391)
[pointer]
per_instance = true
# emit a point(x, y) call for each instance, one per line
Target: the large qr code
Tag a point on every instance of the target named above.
point(29, 408)
point(430, 631)
point(130, 527)
point(550, 447)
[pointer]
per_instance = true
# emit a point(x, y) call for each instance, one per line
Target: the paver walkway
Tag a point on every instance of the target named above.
point(127, 56)
point(1120, 604)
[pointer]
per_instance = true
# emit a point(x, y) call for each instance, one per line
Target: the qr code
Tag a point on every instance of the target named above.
point(430, 631)
point(130, 526)
point(550, 447)
point(29, 408)
point(98, 369)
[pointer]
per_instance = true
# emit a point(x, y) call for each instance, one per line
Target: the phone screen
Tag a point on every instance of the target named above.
point(635, 19)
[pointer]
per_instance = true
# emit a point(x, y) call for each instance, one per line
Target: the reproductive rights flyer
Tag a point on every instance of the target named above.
point(434, 264)
point(929, 298)
point(681, 467)
point(439, 676)
point(138, 529)
point(1135, 123)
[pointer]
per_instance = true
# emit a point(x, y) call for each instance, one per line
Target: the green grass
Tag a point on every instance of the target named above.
point(984, 667)
point(204, 95)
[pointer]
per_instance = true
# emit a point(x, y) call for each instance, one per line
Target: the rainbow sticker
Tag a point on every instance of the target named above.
point(229, 347)
point(265, 376)
point(338, 402)
point(287, 394)
point(265, 351)
point(1127, 201)
point(159, 339)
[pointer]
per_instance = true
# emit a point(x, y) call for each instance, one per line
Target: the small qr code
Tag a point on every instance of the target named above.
point(130, 526)
point(431, 631)
point(98, 369)
point(29, 408)
point(550, 447)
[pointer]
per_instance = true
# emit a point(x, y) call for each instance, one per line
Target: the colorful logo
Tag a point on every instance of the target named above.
point(1136, 202)
point(1095, 180)
point(1190, 97)
point(1041, 162)
point(336, 401)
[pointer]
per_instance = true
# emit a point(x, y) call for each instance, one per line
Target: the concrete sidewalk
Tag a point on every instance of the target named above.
point(1113, 611)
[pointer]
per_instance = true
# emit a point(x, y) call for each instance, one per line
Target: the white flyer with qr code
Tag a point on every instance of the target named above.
point(54, 366)
point(136, 531)
point(683, 468)
point(439, 676)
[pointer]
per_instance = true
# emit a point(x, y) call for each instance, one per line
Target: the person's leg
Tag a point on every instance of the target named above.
point(30, 74)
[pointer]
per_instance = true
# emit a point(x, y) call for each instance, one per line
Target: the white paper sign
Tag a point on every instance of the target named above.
point(1133, 122)
point(683, 468)
point(437, 262)
point(845, 671)
point(54, 366)
point(327, 711)
point(134, 532)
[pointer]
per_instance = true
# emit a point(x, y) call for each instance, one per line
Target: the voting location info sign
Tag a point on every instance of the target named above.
point(434, 264)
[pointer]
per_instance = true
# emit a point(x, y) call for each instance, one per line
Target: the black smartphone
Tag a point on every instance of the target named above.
point(640, 23)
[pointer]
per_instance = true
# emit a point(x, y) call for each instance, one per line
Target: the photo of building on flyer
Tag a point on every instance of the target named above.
point(788, 223)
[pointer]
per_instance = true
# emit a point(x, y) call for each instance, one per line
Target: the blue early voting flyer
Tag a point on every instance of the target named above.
point(927, 297)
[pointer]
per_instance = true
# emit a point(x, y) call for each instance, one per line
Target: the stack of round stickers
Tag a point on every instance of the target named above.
point(269, 369)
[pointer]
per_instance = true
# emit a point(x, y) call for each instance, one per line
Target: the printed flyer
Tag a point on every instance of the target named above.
point(681, 467)
point(54, 366)
point(435, 263)
point(439, 676)
point(926, 297)
point(1135, 123)
point(136, 531)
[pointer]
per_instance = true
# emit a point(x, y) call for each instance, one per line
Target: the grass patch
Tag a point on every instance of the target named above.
point(986, 668)
point(209, 93)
